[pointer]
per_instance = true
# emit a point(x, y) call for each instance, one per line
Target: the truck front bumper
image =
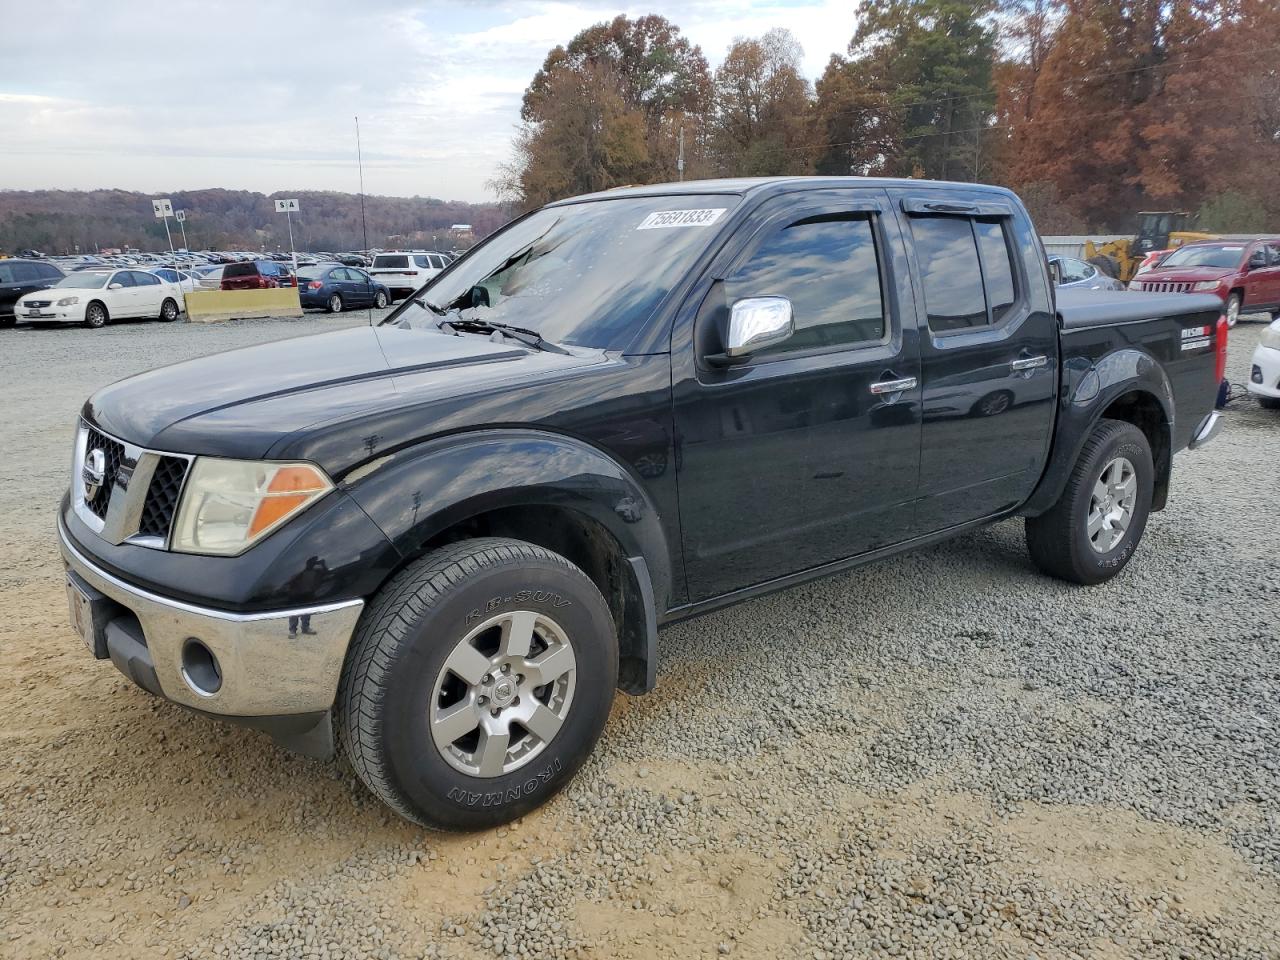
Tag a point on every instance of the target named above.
point(254, 666)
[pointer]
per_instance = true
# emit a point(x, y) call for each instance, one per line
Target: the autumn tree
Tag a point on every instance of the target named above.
point(1122, 105)
point(760, 125)
point(914, 95)
point(607, 109)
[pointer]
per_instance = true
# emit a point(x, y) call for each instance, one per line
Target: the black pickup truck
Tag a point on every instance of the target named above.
point(441, 543)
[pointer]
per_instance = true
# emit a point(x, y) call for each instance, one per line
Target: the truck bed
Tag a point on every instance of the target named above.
point(1082, 309)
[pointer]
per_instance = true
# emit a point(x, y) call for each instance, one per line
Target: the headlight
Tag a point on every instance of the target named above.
point(227, 505)
point(1207, 285)
point(68, 301)
point(1271, 336)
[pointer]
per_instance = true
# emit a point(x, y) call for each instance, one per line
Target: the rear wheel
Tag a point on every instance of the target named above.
point(1089, 535)
point(335, 304)
point(380, 299)
point(1233, 309)
point(169, 310)
point(478, 683)
point(95, 315)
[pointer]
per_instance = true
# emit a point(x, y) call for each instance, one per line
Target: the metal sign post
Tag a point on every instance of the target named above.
point(288, 207)
point(181, 217)
point(163, 210)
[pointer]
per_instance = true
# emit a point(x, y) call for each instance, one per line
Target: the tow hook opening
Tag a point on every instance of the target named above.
point(200, 668)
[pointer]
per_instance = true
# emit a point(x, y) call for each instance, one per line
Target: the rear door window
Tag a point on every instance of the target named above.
point(969, 280)
point(948, 257)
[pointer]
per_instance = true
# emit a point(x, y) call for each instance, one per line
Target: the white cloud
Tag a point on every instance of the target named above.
point(262, 95)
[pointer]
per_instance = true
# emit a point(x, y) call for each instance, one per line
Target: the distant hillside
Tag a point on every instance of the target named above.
point(57, 221)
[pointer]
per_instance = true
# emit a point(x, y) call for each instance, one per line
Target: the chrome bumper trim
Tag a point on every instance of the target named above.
point(265, 672)
point(1209, 428)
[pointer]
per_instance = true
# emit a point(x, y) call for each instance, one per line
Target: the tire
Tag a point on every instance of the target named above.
point(1233, 309)
point(380, 300)
point(95, 316)
point(1270, 403)
point(335, 304)
point(168, 310)
point(1060, 540)
point(398, 683)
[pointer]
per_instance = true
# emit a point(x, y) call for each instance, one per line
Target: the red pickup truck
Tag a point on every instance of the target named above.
point(1245, 274)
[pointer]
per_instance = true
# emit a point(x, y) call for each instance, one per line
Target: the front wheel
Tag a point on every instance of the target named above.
point(335, 304)
point(477, 684)
point(95, 315)
point(1090, 534)
point(1233, 309)
point(1270, 403)
point(380, 300)
point(169, 310)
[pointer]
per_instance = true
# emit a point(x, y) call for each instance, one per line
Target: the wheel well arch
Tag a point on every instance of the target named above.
point(588, 544)
point(1142, 409)
point(99, 302)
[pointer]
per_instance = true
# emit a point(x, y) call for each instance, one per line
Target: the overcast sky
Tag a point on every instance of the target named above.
point(260, 95)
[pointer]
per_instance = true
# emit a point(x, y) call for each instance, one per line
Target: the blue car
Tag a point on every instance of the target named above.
point(335, 287)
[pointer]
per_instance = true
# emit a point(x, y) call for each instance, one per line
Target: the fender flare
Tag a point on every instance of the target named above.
point(418, 492)
point(1088, 389)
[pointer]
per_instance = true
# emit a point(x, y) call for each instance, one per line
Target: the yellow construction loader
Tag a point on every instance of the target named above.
point(1157, 230)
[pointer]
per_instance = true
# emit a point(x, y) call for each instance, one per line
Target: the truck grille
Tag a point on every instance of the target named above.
point(162, 497)
point(147, 482)
point(113, 453)
point(1166, 286)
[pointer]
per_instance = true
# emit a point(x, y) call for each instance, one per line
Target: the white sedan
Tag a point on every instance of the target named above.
point(93, 297)
point(1264, 378)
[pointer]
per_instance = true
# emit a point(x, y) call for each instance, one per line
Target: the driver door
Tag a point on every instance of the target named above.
point(796, 457)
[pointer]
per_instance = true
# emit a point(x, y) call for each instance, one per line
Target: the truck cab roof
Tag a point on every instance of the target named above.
point(770, 186)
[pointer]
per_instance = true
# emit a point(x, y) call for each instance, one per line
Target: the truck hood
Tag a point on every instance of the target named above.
point(243, 402)
point(1186, 274)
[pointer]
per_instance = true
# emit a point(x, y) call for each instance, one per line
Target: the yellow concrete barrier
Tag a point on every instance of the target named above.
point(205, 306)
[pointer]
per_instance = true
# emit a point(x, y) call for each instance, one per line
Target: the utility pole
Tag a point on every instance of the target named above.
point(680, 156)
point(360, 163)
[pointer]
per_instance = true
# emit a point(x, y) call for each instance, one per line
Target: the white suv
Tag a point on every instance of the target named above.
point(403, 272)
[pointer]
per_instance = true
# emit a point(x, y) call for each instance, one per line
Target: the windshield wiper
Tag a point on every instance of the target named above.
point(530, 338)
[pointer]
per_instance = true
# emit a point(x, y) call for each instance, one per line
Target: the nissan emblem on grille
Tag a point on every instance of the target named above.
point(94, 472)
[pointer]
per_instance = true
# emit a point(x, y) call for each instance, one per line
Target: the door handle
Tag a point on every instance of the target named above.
point(1028, 363)
point(893, 386)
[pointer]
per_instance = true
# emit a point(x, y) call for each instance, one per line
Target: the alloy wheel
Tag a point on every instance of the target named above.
point(503, 693)
point(1111, 504)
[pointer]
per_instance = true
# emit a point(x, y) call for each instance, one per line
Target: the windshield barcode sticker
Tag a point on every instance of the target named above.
point(681, 218)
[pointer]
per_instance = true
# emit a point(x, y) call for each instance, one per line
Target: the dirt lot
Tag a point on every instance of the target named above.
point(945, 755)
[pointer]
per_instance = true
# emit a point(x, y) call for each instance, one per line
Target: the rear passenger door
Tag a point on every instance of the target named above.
point(149, 293)
point(798, 457)
point(354, 290)
point(988, 354)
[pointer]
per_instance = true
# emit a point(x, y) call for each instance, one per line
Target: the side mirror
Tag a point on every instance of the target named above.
point(115, 286)
point(1055, 272)
point(756, 323)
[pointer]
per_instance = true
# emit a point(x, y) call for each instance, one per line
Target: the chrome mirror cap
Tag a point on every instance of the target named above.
point(756, 323)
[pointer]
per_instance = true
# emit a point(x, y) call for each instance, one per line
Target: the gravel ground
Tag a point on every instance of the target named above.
point(943, 755)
